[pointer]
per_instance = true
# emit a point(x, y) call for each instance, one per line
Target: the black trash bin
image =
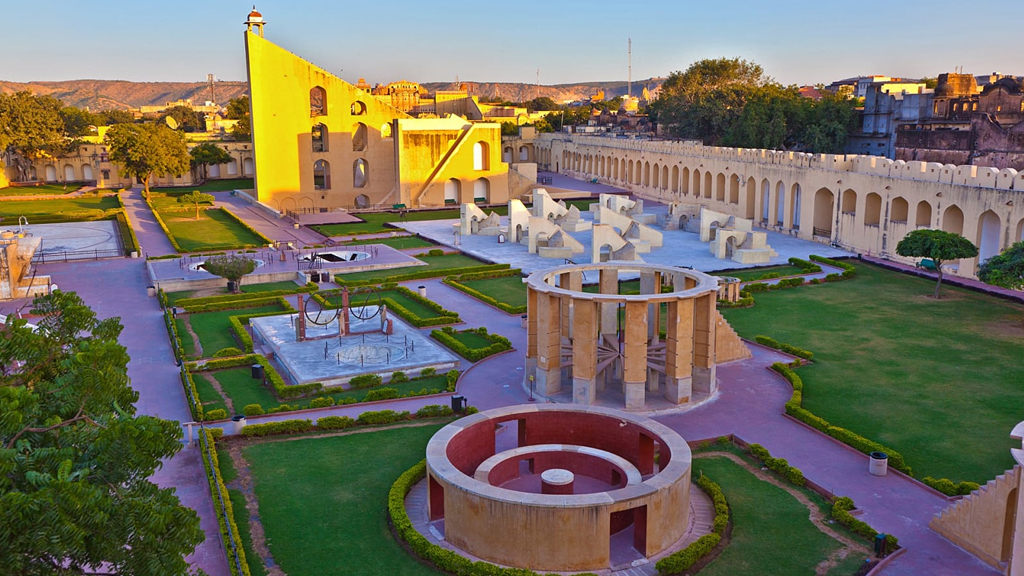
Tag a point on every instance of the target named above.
point(458, 403)
point(257, 371)
point(314, 277)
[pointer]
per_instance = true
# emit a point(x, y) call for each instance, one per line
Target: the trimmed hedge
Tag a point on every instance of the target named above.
point(217, 486)
point(423, 274)
point(217, 414)
point(281, 427)
point(382, 417)
point(778, 465)
point(795, 409)
point(240, 304)
point(446, 336)
point(280, 388)
point(434, 411)
point(365, 381)
point(129, 241)
point(807, 267)
point(193, 396)
point(253, 410)
point(335, 423)
point(456, 282)
point(950, 488)
point(787, 348)
point(163, 226)
point(684, 559)
point(204, 300)
point(849, 270)
point(381, 394)
point(443, 316)
point(227, 352)
point(238, 326)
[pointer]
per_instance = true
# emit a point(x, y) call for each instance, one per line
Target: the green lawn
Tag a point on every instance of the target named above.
point(438, 264)
point(239, 386)
point(208, 396)
point(507, 289)
point(49, 189)
point(771, 528)
point(213, 186)
point(471, 339)
point(66, 206)
point(941, 381)
point(399, 298)
point(398, 243)
point(214, 230)
point(214, 329)
point(173, 297)
point(187, 343)
point(757, 273)
point(323, 501)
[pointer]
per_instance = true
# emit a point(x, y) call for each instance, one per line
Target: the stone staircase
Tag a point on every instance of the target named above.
point(728, 345)
point(977, 521)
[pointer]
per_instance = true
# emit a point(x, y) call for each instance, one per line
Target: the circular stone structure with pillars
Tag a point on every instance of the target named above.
point(611, 344)
point(558, 487)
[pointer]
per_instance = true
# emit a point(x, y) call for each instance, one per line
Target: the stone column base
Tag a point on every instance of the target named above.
point(584, 390)
point(531, 369)
point(678, 390)
point(704, 380)
point(653, 380)
point(636, 395)
point(549, 381)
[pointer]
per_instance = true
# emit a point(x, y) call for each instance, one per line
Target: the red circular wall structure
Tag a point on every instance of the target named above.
point(483, 480)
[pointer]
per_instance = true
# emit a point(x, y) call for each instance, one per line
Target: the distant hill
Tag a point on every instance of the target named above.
point(107, 94)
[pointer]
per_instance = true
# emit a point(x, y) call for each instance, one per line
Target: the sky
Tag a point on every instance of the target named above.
point(795, 41)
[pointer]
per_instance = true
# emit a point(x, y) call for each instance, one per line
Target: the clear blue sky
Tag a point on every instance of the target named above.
point(796, 41)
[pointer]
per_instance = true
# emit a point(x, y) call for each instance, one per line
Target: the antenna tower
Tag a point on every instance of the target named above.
point(538, 83)
point(213, 94)
point(629, 80)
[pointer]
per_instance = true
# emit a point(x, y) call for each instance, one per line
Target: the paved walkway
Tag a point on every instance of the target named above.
point(269, 226)
point(152, 239)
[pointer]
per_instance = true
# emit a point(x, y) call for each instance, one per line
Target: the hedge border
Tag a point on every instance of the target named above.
point(230, 534)
point(444, 316)
point(163, 226)
point(420, 275)
point(245, 225)
point(378, 417)
point(682, 560)
point(446, 336)
point(205, 300)
point(239, 305)
point(457, 283)
point(787, 348)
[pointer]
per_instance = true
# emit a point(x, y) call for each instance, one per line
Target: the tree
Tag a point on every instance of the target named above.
point(242, 131)
point(31, 127)
point(142, 150)
point(509, 129)
point(187, 119)
point(238, 108)
point(111, 117)
point(230, 266)
point(541, 104)
point(78, 122)
point(939, 245)
point(75, 495)
point(195, 197)
point(207, 154)
point(1005, 269)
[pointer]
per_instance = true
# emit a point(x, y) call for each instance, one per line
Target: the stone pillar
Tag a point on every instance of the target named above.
point(649, 285)
point(549, 344)
point(531, 333)
point(634, 377)
point(704, 324)
point(575, 282)
point(584, 352)
point(609, 284)
point(679, 351)
point(556, 481)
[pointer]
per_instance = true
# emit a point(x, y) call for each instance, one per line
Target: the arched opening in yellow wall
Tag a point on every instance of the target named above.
point(823, 200)
point(734, 189)
point(720, 187)
point(872, 209)
point(322, 175)
point(317, 101)
point(360, 173)
point(359, 138)
point(989, 233)
point(924, 214)
point(385, 130)
point(953, 220)
point(849, 202)
point(319, 135)
point(481, 156)
point(357, 108)
point(452, 191)
point(796, 207)
point(481, 191)
point(900, 210)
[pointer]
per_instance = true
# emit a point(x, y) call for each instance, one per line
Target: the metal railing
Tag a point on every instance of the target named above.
point(68, 255)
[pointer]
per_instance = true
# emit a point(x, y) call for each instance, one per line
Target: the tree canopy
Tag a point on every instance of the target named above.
point(1005, 269)
point(195, 197)
point(230, 266)
point(142, 150)
point(186, 119)
point(238, 108)
point(31, 127)
point(938, 245)
point(207, 154)
point(75, 494)
point(731, 102)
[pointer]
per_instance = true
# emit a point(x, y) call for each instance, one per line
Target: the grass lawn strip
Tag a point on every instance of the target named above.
point(43, 189)
point(173, 297)
point(756, 273)
point(209, 396)
point(212, 186)
point(939, 381)
point(398, 243)
point(69, 209)
point(214, 329)
point(215, 230)
point(772, 524)
point(507, 289)
point(434, 263)
point(321, 500)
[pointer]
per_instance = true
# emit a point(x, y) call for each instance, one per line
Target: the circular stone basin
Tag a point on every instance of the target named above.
point(337, 256)
point(557, 477)
point(197, 266)
point(370, 353)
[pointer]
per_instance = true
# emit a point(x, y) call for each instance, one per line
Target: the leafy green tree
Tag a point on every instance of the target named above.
point(242, 131)
point(31, 127)
point(196, 197)
point(187, 119)
point(939, 245)
point(78, 122)
point(509, 129)
point(230, 266)
point(541, 104)
point(207, 154)
point(930, 82)
point(142, 150)
point(113, 116)
point(76, 458)
point(1005, 269)
point(238, 108)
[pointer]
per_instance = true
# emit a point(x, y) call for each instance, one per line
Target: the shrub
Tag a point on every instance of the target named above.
point(787, 348)
point(756, 287)
point(433, 411)
point(427, 372)
point(253, 410)
point(239, 304)
point(231, 537)
point(322, 402)
point(452, 377)
point(225, 352)
point(282, 408)
point(365, 381)
point(950, 488)
point(807, 267)
point(435, 252)
point(457, 283)
point(684, 559)
point(282, 427)
point(216, 414)
point(382, 417)
point(778, 465)
point(841, 513)
point(397, 377)
point(446, 336)
point(849, 270)
point(381, 394)
point(335, 423)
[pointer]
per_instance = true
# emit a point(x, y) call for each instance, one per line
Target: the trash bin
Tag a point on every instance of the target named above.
point(237, 423)
point(878, 464)
point(524, 320)
point(458, 403)
point(232, 286)
point(257, 371)
point(879, 544)
point(151, 291)
point(314, 277)
point(422, 290)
